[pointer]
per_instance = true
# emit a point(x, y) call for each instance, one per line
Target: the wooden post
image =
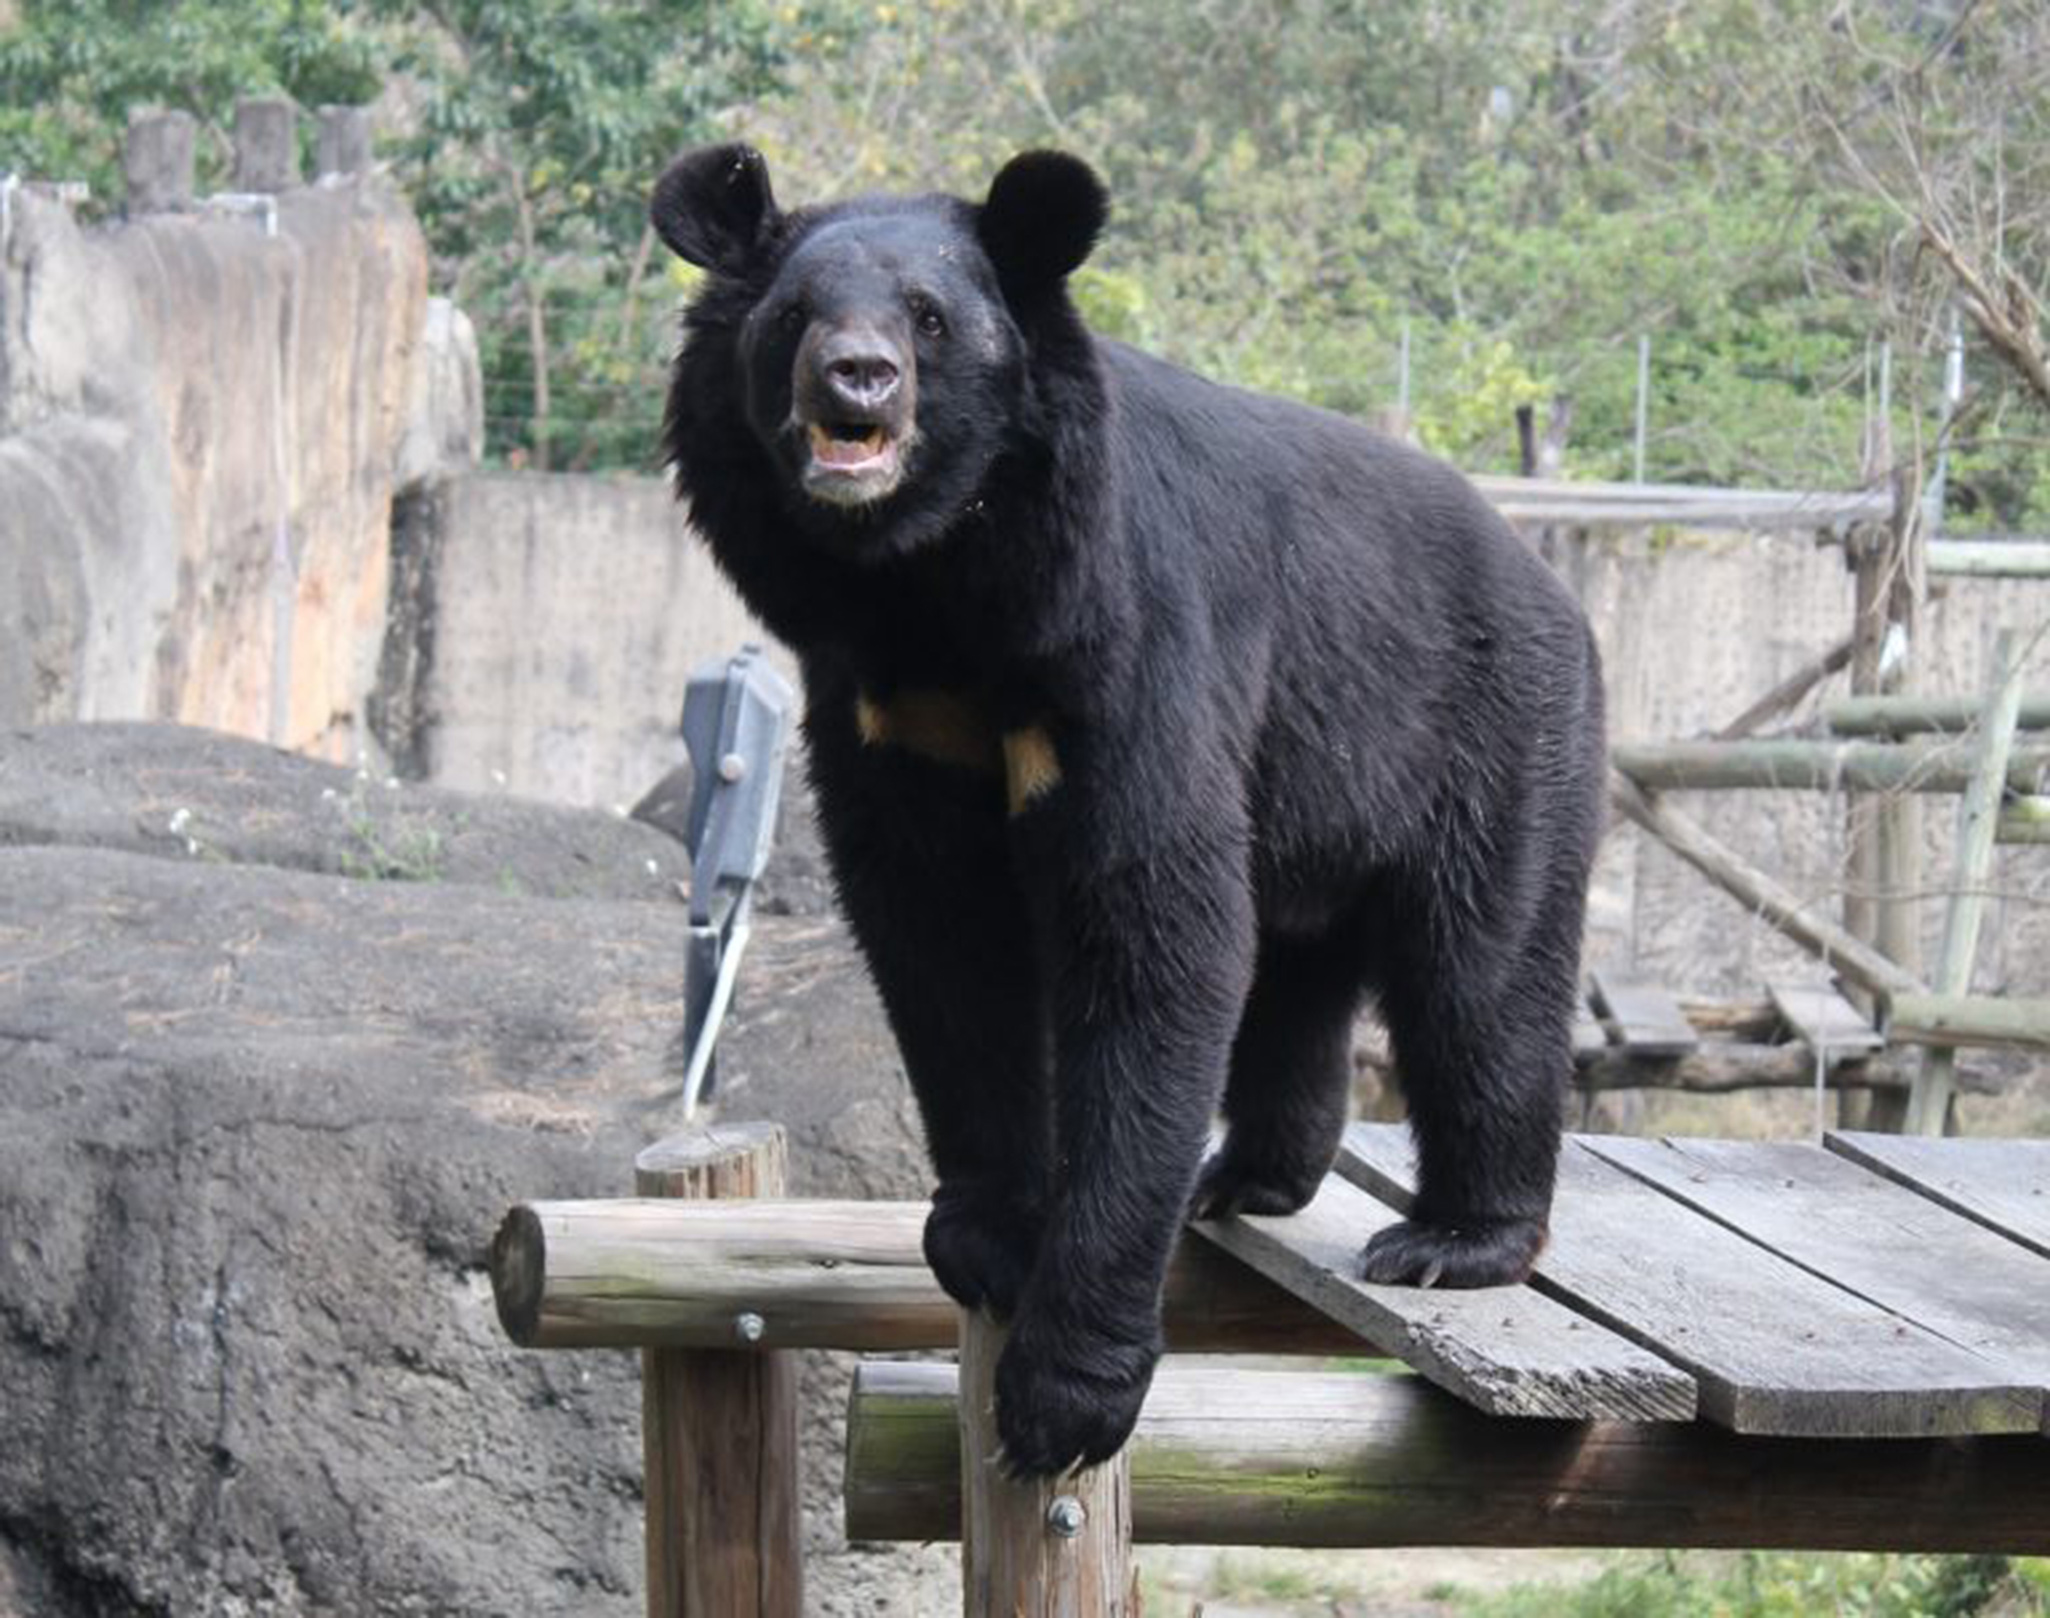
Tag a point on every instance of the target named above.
point(1886, 831)
point(719, 1426)
point(1929, 1106)
point(1054, 1548)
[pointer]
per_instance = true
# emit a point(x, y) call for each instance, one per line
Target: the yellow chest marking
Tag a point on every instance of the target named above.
point(950, 728)
point(1032, 768)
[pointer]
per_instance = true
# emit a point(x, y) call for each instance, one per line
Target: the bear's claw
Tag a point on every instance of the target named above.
point(1480, 1253)
point(1232, 1184)
point(1067, 1400)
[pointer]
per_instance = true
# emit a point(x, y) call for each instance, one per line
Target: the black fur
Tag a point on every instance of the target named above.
point(1324, 729)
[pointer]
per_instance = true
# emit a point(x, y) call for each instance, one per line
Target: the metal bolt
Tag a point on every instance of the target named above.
point(732, 767)
point(749, 1326)
point(1066, 1516)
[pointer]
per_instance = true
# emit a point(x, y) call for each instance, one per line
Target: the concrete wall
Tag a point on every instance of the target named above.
point(200, 434)
point(543, 628)
point(1693, 629)
point(567, 612)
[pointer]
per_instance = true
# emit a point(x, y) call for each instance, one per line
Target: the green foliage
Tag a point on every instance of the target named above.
point(543, 126)
point(72, 70)
point(1297, 185)
point(1772, 1585)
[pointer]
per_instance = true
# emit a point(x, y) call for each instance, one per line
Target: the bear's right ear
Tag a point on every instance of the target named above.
point(1041, 217)
point(714, 207)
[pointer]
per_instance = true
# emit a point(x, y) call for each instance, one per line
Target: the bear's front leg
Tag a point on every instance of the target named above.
point(1146, 927)
point(920, 856)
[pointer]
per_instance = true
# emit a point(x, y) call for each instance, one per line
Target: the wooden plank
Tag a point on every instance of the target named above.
point(2003, 1184)
point(1822, 1019)
point(1241, 1457)
point(1647, 1019)
point(1775, 1349)
point(1910, 1255)
point(1506, 1350)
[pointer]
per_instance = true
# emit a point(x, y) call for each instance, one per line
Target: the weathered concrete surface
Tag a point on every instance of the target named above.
point(257, 1123)
point(565, 613)
point(177, 392)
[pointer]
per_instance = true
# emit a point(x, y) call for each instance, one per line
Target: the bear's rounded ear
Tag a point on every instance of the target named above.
point(714, 207)
point(1041, 217)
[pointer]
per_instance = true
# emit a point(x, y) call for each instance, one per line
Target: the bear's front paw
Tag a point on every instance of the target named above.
point(981, 1246)
point(1480, 1253)
point(1237, 1181)
point(1066, 1400)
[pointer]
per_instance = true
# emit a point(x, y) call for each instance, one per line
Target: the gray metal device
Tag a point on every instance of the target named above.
point(736, 727)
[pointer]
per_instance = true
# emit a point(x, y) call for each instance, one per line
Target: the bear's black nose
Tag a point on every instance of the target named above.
point(861, 369)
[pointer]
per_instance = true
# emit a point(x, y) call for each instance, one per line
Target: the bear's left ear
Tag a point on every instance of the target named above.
point(1041, 217)
point(714, 207)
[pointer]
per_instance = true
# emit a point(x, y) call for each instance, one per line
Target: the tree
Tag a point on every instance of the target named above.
point(541, 128)
point(72, 70)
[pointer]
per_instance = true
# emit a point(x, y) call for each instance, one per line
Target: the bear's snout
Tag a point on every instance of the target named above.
point(853, 395)
point(860, 369)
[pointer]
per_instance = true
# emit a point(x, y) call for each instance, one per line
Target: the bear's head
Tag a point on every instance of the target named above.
point(877, 350)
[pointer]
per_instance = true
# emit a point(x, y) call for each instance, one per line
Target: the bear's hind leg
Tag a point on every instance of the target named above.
point(1291, 1074)
point(1482, 1033)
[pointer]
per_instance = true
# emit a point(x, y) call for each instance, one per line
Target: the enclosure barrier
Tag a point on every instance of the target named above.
point(717, 1279)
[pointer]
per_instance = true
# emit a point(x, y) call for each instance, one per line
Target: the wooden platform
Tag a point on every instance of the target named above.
point(1872, 1287)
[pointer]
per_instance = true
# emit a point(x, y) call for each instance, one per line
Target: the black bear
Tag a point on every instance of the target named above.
point(1154, 725)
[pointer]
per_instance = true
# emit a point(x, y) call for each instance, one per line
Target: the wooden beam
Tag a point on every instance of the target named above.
point(622, 1273)
point(2025, 820)
point(1303, 1458)
point(1789, 691)
point(1722, 1067)
point(719, 1425)
point(1990, 559)
point(1765, 897)
point(1951, 1020)
point(1043, 1548)
point(1978, 819)
point(1911, 716)
point(1941, 766)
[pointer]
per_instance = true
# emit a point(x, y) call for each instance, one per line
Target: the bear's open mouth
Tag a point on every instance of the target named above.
point(848, 446)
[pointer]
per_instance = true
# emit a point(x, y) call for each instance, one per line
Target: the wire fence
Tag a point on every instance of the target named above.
point(1640, 407)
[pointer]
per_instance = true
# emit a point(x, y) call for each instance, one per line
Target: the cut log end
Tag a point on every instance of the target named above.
point(519, 1266)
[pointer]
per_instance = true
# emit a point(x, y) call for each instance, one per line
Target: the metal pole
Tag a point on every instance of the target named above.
point(1953, 392)
point(1643, 398)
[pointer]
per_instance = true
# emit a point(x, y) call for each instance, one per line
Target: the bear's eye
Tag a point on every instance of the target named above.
point(925, 314)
